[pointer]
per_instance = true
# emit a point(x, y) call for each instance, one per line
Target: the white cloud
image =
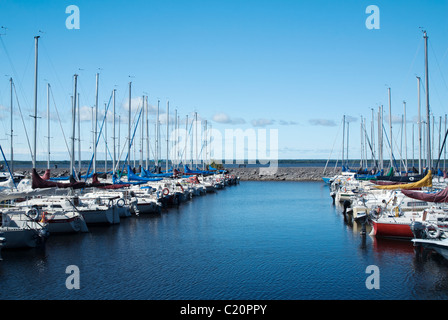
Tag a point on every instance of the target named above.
point(322, 122)
point(224, 118)
point(262, 122)
point(287, 123)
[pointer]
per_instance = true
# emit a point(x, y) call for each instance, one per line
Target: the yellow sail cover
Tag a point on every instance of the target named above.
point(425, 182)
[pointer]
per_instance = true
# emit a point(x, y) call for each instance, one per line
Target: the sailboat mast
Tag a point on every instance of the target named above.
point(390, 130)
point(196, 136)
point(95, 133)
point(105, 137)
point(186, 139)
point(176, 139)
point(129, 126)
point(343, 139)
point(48, 124)
point(36, 38)
point(119, 135)
point(157, 136)
point(12, 131)
point(167, 133)
point(147, 134)
point(427, 102)
point(405, 139)
point(142, 131)
point(419, 129)
point(114, 138)
point(72, 155)
point(79, 136)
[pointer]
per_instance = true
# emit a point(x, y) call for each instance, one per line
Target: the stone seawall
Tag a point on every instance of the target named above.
point(281, 173)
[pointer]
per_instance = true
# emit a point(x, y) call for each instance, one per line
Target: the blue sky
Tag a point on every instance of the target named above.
point(294, 66)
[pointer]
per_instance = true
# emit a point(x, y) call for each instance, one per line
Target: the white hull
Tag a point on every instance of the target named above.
point(59, 223)
point(100, 216)
point(20, 238)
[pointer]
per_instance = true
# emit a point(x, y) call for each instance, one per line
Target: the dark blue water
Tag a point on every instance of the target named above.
point(253, 241)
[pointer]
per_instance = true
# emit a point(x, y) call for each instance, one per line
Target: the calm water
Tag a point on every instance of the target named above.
point(254, 241)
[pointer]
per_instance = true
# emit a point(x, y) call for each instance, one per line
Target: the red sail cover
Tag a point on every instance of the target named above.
point(39, 183)
point(438, 197)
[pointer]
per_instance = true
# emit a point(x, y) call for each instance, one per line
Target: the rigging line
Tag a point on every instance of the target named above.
point(412, 63)
point(21, 116)
point(437, 62)
point(60, 123)
point(393, 160)
point(4, 158)
point(14, 69)
point(334, 143)
point(370, 145)
point(133, 135)
point(98, 139)
point(42, 44)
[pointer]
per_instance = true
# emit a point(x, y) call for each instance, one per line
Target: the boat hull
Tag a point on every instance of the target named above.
point(18, 238)
point(392, 230)
point(65, 224)
point(103, 216)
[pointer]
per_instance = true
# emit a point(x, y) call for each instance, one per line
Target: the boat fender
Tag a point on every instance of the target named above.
point(33, 214)
point(434, 235)
point(397, 211)
point(166, 191)
point(376, 212)
point(120, 202)
point(43, 219)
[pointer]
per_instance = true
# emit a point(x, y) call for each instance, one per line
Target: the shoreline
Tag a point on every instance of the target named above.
point(281, 173)
point(245, 174)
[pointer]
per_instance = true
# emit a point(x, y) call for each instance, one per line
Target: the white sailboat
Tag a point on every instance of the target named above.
point(21, 230)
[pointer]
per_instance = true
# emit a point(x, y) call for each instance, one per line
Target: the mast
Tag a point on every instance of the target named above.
point(348, 136)
point(72, 155)
point(48, 124)
point(119, 150)
point(142, 130)
point(405, 139)
point(176, 139)
point(79, 136)
point(157, 136)
point(95, 132)
point(196, 135)
point(147, 134)
point(380, 137)
point(343, 139)
point(390, 130)
point(12, 131)
point(129, 126)
point(428, 137)
point(36, 39)
point(186, 139)
point(444, 150)
point(167, 132)
point(105, 137)
point(113, 133)
point(372, 134)
point(206, 143)
point(419, 130)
